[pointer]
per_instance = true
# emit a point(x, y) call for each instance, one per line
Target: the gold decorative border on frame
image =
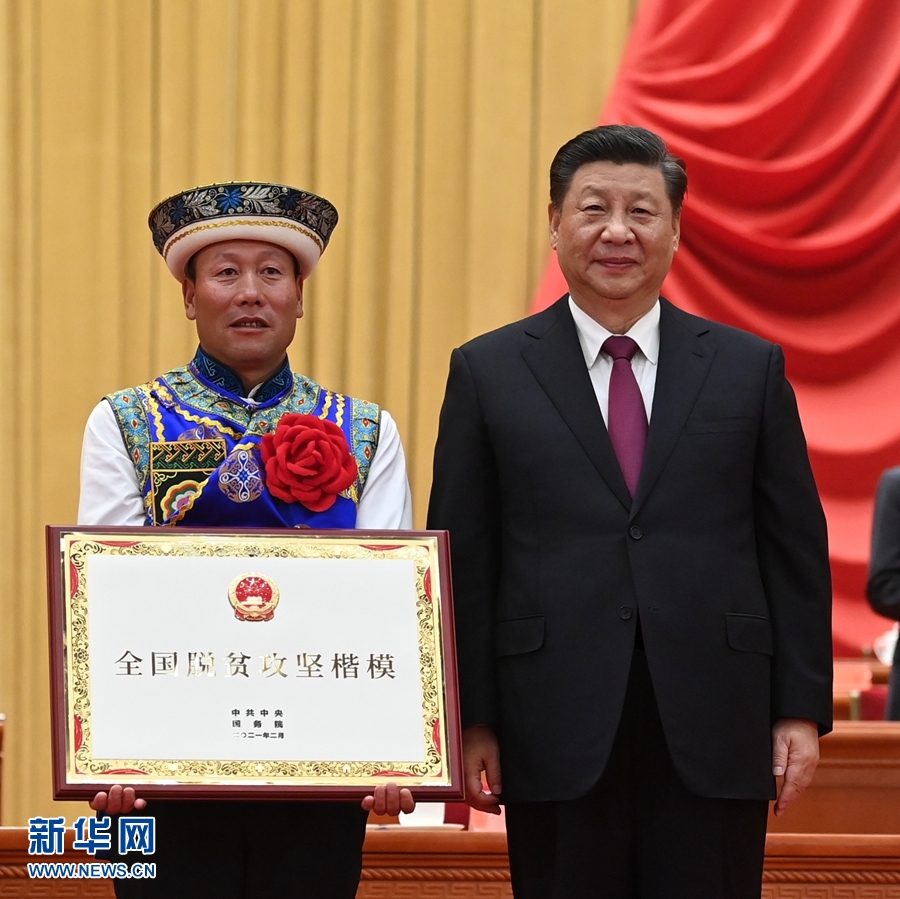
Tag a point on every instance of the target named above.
point(83, 767)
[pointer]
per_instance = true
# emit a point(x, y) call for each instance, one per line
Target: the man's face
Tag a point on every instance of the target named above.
point(246, 300)
point(615, 235)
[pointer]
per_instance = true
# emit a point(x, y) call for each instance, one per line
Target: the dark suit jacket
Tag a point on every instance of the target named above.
point(883, 588)
point(722, 553)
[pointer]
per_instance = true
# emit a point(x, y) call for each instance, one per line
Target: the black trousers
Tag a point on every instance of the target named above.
point(639, 833)
point(251, 850)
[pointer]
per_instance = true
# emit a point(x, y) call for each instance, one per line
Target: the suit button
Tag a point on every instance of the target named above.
point(625, 613)
point(636, 532)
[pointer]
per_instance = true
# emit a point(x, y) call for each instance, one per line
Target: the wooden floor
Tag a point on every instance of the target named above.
point(409, 864)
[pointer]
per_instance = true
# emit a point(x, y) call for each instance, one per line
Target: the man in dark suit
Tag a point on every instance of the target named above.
point(640, 565)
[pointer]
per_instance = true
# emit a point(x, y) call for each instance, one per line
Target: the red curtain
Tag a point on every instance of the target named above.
point(788, 115)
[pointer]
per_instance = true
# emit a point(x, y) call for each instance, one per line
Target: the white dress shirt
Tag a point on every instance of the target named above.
point(110, 494)
point(592, 335)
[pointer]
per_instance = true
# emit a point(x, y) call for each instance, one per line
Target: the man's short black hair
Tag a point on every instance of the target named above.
point(620, 144)
point(190, 267)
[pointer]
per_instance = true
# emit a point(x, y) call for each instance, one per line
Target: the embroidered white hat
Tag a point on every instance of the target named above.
point(296, 220)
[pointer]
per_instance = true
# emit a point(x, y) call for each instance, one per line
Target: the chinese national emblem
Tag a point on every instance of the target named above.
point(254, 597)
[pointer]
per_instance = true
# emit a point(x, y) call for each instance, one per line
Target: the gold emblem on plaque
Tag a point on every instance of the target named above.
point(254, 597)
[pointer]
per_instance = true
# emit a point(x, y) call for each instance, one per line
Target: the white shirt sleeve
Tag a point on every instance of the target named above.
point(386, 502)
point(110, 493)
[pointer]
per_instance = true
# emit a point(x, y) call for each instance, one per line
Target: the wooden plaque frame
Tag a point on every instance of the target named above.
point(134, 563)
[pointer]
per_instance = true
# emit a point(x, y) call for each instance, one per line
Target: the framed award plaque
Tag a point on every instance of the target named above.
point(252, 663)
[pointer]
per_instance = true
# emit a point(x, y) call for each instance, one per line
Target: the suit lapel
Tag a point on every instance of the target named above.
point(557, 362)
point(684, 361)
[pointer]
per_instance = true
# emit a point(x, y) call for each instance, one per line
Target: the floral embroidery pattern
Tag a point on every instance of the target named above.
point(223, 378)
point(244, 198)
point(177, 497)
point(195, 411)
point(201, 432)
point(240, 477)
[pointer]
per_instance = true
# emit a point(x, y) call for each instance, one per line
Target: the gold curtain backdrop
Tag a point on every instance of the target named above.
point(429, 123)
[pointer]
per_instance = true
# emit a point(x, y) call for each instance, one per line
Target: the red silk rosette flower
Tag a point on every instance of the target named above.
point(308, 461)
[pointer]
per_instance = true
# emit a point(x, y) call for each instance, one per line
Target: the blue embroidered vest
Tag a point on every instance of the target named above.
point(195, 443)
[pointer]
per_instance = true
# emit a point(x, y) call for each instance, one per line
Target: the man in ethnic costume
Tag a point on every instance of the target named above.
point(237, 439)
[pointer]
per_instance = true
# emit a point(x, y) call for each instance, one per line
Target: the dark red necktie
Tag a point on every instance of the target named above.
point(627, 423)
